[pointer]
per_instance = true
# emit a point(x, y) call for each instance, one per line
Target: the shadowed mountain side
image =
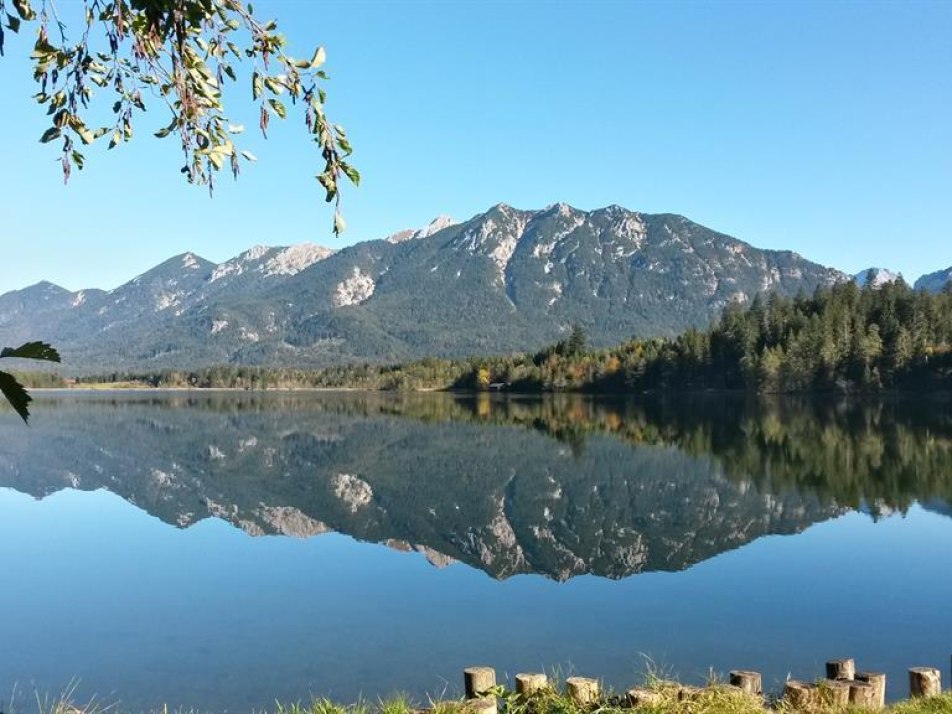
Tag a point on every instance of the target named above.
point(504, 499)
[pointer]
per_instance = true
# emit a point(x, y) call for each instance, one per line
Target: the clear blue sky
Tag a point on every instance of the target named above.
point(825, 128)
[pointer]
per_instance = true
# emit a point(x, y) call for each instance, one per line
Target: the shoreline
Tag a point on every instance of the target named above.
point(851, 692)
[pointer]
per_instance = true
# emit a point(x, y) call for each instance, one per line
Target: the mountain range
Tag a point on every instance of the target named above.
point(505, 280)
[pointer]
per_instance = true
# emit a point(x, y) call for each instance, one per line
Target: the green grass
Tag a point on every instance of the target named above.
point(716, 698)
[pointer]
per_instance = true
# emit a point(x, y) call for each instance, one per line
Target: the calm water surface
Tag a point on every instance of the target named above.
point(221, 551)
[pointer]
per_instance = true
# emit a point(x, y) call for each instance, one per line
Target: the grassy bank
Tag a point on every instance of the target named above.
point(670, 699)
point(663, 698)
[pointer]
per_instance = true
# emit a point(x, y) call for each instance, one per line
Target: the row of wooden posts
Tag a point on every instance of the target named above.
point(843, 686)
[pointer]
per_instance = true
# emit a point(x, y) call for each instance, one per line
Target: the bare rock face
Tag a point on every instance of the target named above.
point(434, 226)
point(353, 491)
point(355, 289)
point(875, 277)
point(290, 521)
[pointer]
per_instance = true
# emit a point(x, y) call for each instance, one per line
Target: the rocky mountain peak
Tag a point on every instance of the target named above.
point(294, 259)
point(434, 226)
point(876, 277)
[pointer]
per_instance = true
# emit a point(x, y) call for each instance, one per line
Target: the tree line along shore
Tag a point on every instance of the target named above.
point(840, 339)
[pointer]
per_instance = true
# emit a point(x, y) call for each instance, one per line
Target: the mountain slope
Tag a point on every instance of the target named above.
point(935, 282)
point(505, 280)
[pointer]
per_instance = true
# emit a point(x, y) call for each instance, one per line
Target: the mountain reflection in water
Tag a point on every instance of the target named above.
point(558, 486)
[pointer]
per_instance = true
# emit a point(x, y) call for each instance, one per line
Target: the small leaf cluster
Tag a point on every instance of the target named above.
point(179, 54)
point(11, 387)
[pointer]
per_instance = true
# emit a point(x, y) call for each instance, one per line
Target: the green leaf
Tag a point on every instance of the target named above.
point(275, 86)
point(32, 350)
point(13, 22)
point(50, 134)
point(16, 395)
point(165, 131)
point(257, 86)
point(116, 138)
point(278, 108)
point(339, 225)
point(351, 173)
point(248, 155)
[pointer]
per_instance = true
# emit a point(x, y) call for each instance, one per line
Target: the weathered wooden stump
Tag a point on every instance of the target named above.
point(582, 690)
point(878, 680)
point(834, 692)
point(862, 694)
point(687, 693)
point(484, 705)
point(924, 682)
point(748, 681)
point(530, 683)
point(841, 669)
point(800, 695)
point(640, 696)
point(478, 681)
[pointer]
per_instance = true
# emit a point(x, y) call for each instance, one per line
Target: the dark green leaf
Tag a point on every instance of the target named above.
point(16, 395)
point(50, 134)
point(352, 173)
point(32, 350)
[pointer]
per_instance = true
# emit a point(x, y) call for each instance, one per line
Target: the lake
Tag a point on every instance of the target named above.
point(223, 550)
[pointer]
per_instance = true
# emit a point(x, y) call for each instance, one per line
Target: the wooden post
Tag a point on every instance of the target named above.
point(478, 681)
point(878, 680)
point(835, 692)
point(800, 695)
point(486, 705)
point(687, 693)
point(841, 669)
point(582, 690)
point(639, 696)
point(750, 682)
point(527, 684)
point(862, 694)
point(924, 682)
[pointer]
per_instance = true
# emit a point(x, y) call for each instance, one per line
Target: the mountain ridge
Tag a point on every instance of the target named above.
point(507, 279)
